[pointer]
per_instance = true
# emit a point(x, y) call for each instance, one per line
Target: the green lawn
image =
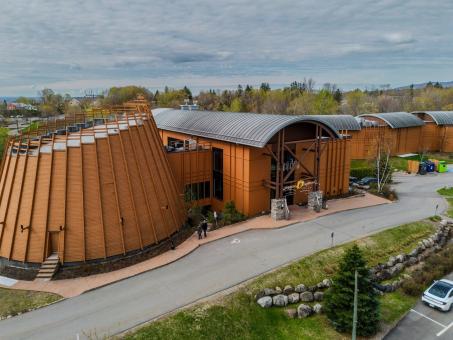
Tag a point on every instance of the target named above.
point(14, 301)
point(238, 316)
point(448, 193)
point(400, 163)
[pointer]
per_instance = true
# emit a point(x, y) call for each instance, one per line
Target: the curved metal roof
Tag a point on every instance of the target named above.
point(439, 117)
point(340, 122)
point(252, 129)
point(397, 120)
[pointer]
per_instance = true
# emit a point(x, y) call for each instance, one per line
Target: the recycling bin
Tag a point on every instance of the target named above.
point(442, 166)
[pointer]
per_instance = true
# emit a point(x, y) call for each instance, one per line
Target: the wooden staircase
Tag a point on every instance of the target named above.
point(49, 267)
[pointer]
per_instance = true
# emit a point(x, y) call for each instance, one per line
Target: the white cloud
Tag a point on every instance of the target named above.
point(103, 42)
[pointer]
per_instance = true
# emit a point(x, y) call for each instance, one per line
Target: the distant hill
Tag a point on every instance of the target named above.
point(422, 85)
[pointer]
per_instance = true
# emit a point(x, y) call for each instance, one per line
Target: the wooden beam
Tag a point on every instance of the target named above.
point(32, 201)
point(98, 182)
point(19, 201)
point(46, 245)
point(120, 218)
point(137, 227)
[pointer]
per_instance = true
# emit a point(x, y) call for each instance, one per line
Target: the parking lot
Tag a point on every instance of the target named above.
point(423, 322)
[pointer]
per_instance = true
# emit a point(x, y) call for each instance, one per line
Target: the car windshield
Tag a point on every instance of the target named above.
point(440, 289)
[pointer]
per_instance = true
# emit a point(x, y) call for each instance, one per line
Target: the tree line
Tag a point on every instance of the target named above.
point(297, 98)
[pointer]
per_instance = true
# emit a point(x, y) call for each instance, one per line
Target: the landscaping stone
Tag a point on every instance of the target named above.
point(312, 288)
point(400, 258)
point(412, 260)
point(304, 310)
point(396, 269)
point(293, 298)
point(300, 288)
point(327, 283)
point(265, 302)
point(318, 296)
point(280, 300)
point(269, 291)
point(317, 308)
point(278, 290)
point(414, 252)
point(291, 313)
point(288, 289)
point(391, 262)
point(306, 297)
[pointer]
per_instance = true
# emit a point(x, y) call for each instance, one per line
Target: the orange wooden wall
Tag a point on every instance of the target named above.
point(98, 198)
point(246, 168)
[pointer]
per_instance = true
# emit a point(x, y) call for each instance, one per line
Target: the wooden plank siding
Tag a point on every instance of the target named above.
point(100, 197)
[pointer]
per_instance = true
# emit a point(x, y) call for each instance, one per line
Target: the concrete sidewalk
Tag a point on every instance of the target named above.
point(74, 287)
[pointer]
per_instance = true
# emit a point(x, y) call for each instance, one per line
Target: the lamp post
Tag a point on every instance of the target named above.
point(354, 317)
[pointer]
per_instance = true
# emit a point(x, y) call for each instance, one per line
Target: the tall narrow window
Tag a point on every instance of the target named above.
point(217, 173)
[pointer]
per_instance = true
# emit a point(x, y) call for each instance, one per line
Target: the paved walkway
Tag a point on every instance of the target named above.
point(74, 287)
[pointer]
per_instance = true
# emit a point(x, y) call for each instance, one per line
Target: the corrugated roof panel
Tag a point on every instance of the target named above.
point(439, 117)
point(341, 122)
point(251, 129)
point(397, 120)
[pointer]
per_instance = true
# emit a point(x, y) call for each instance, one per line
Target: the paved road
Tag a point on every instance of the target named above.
point(424, 323)
point(217, 266)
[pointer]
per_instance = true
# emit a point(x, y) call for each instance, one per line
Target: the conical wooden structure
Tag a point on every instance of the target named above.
point(96, 189)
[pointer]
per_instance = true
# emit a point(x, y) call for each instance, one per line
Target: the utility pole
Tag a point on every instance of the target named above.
point(354, 318)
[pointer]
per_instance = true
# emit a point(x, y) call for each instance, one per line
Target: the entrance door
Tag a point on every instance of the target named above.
point(53, 242)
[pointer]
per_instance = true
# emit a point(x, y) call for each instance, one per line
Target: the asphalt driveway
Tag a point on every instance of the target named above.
point(217, 266)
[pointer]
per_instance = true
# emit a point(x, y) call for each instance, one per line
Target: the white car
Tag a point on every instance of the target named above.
point(439, 295)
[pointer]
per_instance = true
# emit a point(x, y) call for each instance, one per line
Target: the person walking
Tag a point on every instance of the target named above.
point(200, 231)
point(204, 225)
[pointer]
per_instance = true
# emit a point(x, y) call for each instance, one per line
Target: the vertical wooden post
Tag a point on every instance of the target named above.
point(98, 175)
point(32, 201)
point(46, 243)
point(120, 219)
point(19, 201)
point(153, 228)
point(129, 180)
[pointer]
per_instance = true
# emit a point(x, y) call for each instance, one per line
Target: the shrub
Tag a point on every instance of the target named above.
point(340, 298)
point(435, 267)
point(231, 215)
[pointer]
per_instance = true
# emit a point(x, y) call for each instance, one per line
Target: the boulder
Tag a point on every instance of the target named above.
point(293, 298)
point(300, 288)
point(383, 275)
point(312, 288)
point(269, 291)
point(291, 313)
point(396, 269)
point(318, 296)
point(414, 252)
point(327, 283)
point(306, 297)
point(265, 302)
point(421, 245)
point(400, 258)
point(391, 262)
point(288, 289)
point(443, 222)
point(278, 290)
point(280, 300)
point(317, 308)
point(304, 310)
point(411, 261)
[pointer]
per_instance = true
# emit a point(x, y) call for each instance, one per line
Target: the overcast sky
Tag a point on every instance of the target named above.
point(94, 44)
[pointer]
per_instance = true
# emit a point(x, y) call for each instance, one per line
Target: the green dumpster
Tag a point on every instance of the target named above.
point(442, 166)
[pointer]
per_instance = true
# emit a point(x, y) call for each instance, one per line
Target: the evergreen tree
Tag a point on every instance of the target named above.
point(340, 297)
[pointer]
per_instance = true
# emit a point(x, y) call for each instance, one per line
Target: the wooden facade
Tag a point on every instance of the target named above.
point(247, 170)
point(103, 191)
